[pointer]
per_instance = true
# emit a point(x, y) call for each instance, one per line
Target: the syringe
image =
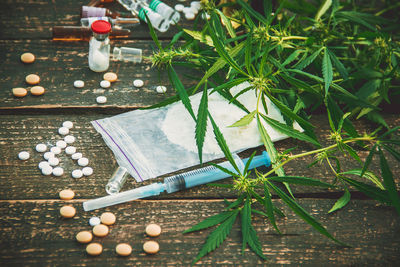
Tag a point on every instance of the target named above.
point(178, 182)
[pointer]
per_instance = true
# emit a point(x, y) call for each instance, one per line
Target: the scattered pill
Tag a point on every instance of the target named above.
point(94, 221)
point(68, 124)
point(87, 171)
point(84, 237)
point(41, 148)
point(153, 230)
point(55, 150)
point(179, 7)
point(37, 90)
point(138, 83)
point(27, 57)
point(94, 249)
point(100, 230)
point(151, 247)
point(105, 84)
point(58, 171)
point(67, 211)
point(19, 92)
point(43, 164)
point(186, 9)
point(76, 156)
point(69, 139)
point(161, 89)
point(66, 194)
point(83, 162)
point(53, 161)
point(190, 15)
point(70, 150)
point(32, 79)
point(101, 99)
point(79, 84)
point(48, 155)
point(193, 10)
point(110, 76)
point(123, 249)
point(61, 144)
point(23, 155)
point(47, 170)
point(195, 4)
point(63, 130)
point(108, 218)
point(76, 174)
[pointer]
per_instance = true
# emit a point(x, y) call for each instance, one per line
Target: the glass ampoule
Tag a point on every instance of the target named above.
point(164, 10)
point(92, 11)
point(99, 46)
point(118, 22)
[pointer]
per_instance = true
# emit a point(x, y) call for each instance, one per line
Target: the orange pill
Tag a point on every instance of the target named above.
point(153, 230)
point(37, 90)
point(27, 57)
point(110, 76)
point(84, 237)
point(19, 92)
point(100, 230)
point(94, 249)
point(67, 211)
point(107, 218)
point(32, 79)
point(123, 249)
point(66, 194)
point(151, 247)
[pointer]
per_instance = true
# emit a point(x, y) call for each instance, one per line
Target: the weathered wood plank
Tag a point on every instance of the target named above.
point(23, 180)
point(32, 233)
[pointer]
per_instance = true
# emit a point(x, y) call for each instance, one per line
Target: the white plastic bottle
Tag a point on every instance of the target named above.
point(99, 46)
point(164, 10)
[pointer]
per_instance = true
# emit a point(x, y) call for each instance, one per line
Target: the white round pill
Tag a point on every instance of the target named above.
point(94, 221)
point(69, 139)
point(195, 4)
point(48, 155)
point(76, 156)
point(43, 164)
point(70, 150)
point(56, 150)
point(61, 144)
point(190, 15)
point(105, 84)
point(47, 170)
point(76, 174)
point(23, 155)
point(79, 84)
point(41, 147)
point(83, 162)
point(186, 10)
point(179, 7)
point(53, 161)
point(58, 171)
point(87, 171)
point(161, 89)
point(63, 130)
point(193, 10)
point(101, 99)
point(138, 83)
point(68, 124)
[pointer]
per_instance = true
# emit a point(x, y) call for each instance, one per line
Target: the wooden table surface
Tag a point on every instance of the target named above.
point(33, 233)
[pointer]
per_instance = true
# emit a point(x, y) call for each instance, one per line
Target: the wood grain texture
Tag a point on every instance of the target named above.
point(32, 233)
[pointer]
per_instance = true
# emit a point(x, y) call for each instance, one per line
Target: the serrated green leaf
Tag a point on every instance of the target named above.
point(327, 71)
point(356, 17)
point(229, 85)
point(245, 120)
point(247, 53)
point(389, 182)
point(352, 152)
point(292, 57)
point(217, 237)
point(201, 37)
point(224, 169)
point(369, 190)
point(323, 8)
point(339, 66)
point(227, 23)
point(368, 160)
point(300, 180)
point(309, 60)
point(246, 167)
point(210, 221)
point(365, 174)
point(201, 123)
point(337, 114)
point(237, 202)
point(300, 84)
point(269, 208)
point(252, 12)
point(341, 202)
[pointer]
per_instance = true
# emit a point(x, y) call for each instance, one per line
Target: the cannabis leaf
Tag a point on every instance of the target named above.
point(201, 123)
point(327, 71)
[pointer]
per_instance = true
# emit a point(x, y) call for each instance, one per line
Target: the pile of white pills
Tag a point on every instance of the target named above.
point(191, 11)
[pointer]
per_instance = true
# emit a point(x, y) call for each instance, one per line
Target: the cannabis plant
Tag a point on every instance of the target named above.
point(337, 56)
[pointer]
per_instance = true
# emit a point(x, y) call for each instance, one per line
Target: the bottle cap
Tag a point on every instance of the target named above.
point(101, 27)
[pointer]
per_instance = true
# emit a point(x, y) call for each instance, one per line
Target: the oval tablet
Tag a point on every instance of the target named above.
point(161, 89)
point(55, 150)
point(153, 230)
point(66, 194)
point(61, 144)
point(43, 164)
point(105, 84)
point(70, 150)
point(69, 139)
point(94, 221)
point(41, 147)
point(123, 249)
point(53, 161)
point(87, 171)
point(48, 155)
point(108, 218)
point(101, 99)
point(47, 170)
point(67, 211)
point(58, 171)
point(68, 124)
point(27, 57)
point(83, 162)
point(76, 156)
point(94, 249)
point(79, 84)
point(37, 90)
point(84, 237)
point(100, 230)
point(110, 76)
point(19, 92)
point(76, 174)
point(32, 79)
point(151, 247)
point(63, 130)
point(23, 155)
point(138, 83)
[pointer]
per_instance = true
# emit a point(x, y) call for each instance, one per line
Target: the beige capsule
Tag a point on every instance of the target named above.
point(110, 76)
point(151, 247)
point(94, 249)
point(123, 249)
point(37, 90)
point(108, 218)
point(66, 194)
point(84, 237)
point(27, 57)
point(100, 230)
point(153, 230)
point(67, 211)
point(32, 79)
point(19, 92)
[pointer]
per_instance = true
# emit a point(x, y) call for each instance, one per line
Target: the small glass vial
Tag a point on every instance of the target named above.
point(127, 54)
point(158, 22)
point(164, 10)
point(118, 22)
point(99, 46)
point(117, 180)
point(92, 11)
